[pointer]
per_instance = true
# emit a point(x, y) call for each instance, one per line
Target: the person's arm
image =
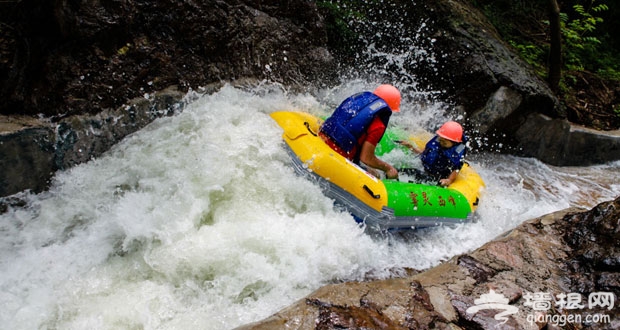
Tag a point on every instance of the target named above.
point(411, 147)
point(448, 181)
point(368, 157)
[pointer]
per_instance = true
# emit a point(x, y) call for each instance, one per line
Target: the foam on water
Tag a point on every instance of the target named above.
point(198, 221)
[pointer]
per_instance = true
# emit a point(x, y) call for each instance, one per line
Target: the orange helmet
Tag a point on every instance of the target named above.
point(452, 131)
point(390, 95)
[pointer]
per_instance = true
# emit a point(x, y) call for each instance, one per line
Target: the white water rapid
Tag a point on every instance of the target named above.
point(198, 222)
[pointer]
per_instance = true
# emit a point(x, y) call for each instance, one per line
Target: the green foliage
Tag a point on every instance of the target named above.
point(339, 13)
point(581, 45)
point(617, 110)
point(533, 54)
point(609, 73)
point(585, 46)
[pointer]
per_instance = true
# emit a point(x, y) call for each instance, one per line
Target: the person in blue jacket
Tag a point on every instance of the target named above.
point(358, 124)
point(443, 156)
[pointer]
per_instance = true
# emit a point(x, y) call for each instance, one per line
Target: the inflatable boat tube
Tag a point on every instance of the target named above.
point(379, 204)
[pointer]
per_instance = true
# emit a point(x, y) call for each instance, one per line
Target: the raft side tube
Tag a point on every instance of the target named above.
point(289, 121)
point(412, 199)
point(374, 220)
point(319, 158)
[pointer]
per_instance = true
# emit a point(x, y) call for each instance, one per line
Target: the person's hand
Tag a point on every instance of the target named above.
point(391, 173)
point(373, 172)
point(448, 181)
point(445, 182)
point(409, 146)
point(405, 143)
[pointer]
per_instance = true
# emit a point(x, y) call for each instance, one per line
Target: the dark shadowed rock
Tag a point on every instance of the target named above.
point(26, 159)
point(558, 142)
point(83, 65)
point(31, 151)
point(66, 57)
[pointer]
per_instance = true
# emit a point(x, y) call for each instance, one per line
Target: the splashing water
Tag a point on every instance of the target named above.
point(198, 221)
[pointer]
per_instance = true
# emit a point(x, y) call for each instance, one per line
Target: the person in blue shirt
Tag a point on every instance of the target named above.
point(443, 156)
point(358, 124)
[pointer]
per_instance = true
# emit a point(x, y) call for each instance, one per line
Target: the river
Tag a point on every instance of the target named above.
point(199, 222)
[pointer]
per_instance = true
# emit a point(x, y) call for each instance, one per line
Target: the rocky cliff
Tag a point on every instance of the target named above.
point(79, 67)
point(81, 76)
point(65, 57)
point(559, 271)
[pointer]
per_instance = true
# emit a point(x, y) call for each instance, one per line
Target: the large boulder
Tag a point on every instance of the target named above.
point(504, 99)
point(31, 150)
point(537, 275)
point(559, 142)
point(450, 47)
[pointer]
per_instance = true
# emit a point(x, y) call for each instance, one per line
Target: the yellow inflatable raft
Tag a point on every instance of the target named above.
point(379, 204)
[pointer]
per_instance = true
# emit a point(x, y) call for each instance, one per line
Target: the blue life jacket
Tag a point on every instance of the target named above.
point(440, 162)
point(352, 118)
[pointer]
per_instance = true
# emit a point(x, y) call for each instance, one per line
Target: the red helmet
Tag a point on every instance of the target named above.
point(390, 95)
point(452, 131)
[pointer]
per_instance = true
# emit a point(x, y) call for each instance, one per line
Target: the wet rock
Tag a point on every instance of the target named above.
point(82, 137)
point(501, 97)
point(479, 271)
point(351, 317)
point(26, 159)
point(63, 58)
point(595, 240)
point(31, 153)
point(561, 143)
point(498, 107)
point(571, 252)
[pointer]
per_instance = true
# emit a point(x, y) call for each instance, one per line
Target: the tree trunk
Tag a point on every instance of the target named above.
point(555, 52)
